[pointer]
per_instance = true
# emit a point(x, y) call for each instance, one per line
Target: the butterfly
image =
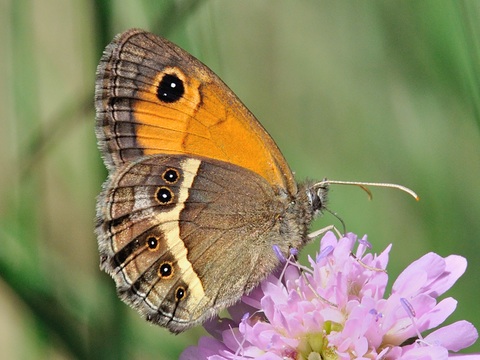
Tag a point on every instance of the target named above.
point(197, 194)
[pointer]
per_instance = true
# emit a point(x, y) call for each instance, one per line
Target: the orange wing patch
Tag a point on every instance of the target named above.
point(193, 112)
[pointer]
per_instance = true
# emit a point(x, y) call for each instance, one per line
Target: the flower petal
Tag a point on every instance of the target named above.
point(455, 266)
point(418, 275)
point(417, 352)
point(454, 337)
point(437, 315)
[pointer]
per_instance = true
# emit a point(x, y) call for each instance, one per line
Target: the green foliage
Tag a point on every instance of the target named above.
point(370, 91)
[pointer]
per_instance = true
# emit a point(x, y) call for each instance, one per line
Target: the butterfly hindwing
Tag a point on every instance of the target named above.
point(177, 231)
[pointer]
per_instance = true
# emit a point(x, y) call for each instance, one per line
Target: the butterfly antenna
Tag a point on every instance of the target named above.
point(364, 187)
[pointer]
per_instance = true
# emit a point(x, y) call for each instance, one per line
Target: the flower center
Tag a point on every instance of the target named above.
point(314, 346)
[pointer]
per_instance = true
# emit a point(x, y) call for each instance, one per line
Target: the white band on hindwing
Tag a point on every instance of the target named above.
point(170, 227)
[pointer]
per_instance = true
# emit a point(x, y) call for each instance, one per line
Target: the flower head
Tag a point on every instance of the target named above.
point(337, 309)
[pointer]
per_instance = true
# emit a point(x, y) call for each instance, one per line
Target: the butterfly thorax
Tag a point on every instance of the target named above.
point(301, 210)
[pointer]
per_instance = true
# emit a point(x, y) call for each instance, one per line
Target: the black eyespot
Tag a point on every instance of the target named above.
point(170, 89)
point(180, 293)
point(164, 195)
point(171, 176)
point(165, 270)
point(152, 242)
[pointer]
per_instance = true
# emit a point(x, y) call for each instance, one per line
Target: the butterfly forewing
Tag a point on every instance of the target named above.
point(154, 98)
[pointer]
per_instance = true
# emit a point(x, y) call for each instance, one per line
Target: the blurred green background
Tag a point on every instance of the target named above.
point(381, 91)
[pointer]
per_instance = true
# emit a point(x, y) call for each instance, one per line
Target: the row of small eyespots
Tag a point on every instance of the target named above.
point(166, 269)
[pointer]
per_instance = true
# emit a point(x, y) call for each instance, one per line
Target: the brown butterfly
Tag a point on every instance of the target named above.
point(197, 194)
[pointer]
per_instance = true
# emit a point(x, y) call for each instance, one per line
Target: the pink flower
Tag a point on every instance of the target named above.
point(337, 309)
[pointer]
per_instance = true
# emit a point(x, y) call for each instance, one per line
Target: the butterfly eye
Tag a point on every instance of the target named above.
point(164, 195)
point(180, 293)
point(170, 89)
point(171, 176)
